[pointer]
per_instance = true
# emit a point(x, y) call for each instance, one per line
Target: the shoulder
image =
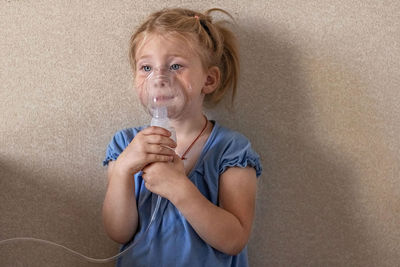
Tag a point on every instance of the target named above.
point(225, 137)
point(231, 148)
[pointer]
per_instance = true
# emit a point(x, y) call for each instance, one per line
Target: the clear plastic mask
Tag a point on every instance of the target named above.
point(162, 93)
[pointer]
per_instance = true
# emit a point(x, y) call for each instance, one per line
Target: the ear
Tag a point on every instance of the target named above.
point(212, 80)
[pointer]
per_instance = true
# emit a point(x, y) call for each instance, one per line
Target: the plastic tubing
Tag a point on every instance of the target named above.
point(94, 260)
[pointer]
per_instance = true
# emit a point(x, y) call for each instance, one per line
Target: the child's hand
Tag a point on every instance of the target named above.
point(149, 145)
point(164, 178)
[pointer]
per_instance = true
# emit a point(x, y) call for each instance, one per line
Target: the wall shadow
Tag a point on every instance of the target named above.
point(306, 202)
point(41, 204)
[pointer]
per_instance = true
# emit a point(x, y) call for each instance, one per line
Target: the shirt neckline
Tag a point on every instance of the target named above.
point(205, 147)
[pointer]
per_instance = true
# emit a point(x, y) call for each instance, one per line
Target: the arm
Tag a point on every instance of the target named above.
point(120, 216)
point(225, 227)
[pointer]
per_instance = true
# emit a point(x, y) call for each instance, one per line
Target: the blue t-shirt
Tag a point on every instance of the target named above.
point(171, 241)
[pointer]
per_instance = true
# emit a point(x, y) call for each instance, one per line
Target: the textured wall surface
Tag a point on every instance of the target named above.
point(319, 98)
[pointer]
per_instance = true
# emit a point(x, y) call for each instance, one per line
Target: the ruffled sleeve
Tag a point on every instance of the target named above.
point(239, 153)
point(118, 143)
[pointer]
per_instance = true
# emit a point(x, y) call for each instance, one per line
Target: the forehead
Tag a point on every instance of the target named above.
point(167, 43)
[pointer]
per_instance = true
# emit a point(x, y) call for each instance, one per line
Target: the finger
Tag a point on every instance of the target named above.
point(148, 186)
point(176, 157)
point(145, 176)
point(157, 157)
point(160, 149)
point(160, 140)
point(156, 130)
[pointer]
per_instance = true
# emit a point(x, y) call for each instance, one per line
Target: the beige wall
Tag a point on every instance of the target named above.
point(319, 98)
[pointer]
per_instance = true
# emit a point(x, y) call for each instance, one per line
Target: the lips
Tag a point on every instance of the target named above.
point(163, 98)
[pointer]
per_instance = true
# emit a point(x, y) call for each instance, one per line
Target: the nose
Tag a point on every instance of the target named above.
point(160, 81)
point(160, 71)
point(159, 78)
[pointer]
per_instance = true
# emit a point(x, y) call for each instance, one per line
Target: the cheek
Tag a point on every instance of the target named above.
point(138, 88)
point(138, 82)
point(185, 86)
point(189, 83)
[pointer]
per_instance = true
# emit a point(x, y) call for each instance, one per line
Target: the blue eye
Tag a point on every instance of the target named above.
point(175, 66)
point(146, 68)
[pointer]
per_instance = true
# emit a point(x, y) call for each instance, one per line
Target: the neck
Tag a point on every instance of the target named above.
point(188, 127)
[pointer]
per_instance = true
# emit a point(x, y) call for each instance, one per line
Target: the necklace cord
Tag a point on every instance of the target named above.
point(194, 141)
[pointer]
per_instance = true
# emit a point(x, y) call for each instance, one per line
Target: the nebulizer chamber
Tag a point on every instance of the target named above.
point(161, 98)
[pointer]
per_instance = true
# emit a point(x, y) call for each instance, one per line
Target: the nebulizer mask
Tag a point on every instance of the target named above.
point(161, 93)
point(161, 97)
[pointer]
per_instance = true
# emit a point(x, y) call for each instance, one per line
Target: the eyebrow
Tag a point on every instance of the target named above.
point(169, 56)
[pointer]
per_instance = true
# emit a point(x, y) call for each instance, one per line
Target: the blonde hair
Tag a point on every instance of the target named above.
point(218, 44)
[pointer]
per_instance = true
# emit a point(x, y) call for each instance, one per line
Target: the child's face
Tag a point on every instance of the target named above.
point(171, 56)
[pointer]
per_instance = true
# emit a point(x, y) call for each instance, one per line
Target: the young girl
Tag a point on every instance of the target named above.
point(207, 178)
